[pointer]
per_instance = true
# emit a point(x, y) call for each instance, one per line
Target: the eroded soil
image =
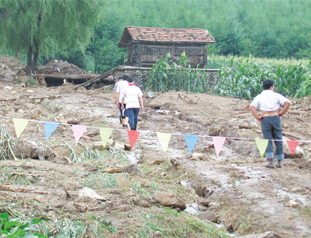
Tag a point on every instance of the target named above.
point(245, 197)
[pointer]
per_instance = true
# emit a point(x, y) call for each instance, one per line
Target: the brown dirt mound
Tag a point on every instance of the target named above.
point(63, 66)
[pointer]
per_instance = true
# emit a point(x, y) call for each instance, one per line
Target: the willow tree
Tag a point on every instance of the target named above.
point(46, 27)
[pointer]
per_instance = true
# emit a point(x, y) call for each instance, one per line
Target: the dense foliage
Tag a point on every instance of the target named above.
point(279, 28)
point(14, 227)
point(44, 28)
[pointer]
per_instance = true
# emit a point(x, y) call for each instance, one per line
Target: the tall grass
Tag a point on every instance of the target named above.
point(242, 77)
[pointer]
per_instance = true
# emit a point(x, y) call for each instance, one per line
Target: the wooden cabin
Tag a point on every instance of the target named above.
point(145, 45)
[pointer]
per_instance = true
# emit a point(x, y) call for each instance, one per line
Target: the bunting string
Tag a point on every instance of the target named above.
point(163, 138)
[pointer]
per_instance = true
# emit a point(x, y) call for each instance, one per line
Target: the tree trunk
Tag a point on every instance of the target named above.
point(29, 62)
point(34, 62)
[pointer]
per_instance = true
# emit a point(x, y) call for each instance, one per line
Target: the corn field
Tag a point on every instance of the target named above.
point(242, 77)
point(239, 77)
point(166, 74)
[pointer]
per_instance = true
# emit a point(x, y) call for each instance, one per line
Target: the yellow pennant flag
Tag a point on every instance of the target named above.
point(20, 125)
point(164, 139)
point(262, 146)
point(105, 134)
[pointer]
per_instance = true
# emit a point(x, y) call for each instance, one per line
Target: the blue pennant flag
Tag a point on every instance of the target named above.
point(191, 141)
point(49, 127)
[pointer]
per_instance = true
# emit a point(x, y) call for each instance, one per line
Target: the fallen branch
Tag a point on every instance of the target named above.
point(34, 175)
point(187, 99)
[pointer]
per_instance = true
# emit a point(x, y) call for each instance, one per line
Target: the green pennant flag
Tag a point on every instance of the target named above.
point(20, 125)
point(164, 139)
point(262, 146)
point(105, 134)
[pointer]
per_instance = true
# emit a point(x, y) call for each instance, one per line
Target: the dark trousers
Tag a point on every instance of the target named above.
point(272, 129)
point(132, 114)
point(122, 114)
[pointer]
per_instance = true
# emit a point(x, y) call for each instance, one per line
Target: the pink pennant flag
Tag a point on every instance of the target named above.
point(218, 143)
point(78, 132)
point(292, 145)
point(133, 135)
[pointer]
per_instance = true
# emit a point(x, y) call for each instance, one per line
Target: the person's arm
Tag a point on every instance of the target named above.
point(116, 98)
point(254, 112)
point(141, 102)
point(284, 110)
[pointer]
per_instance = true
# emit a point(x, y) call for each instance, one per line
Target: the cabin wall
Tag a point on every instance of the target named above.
point(146, 54)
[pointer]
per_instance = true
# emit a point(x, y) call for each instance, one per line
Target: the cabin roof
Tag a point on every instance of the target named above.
point(153, 34)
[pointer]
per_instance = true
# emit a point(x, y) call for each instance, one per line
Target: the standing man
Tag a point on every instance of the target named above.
point(133, 98)
point(119, 87)
point(269, 102)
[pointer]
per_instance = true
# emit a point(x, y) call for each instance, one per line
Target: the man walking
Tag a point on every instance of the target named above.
point(132, 97)
point(119, 88)
point(269, 102)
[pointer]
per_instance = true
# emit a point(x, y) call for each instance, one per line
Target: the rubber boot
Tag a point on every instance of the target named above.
point(279, 164)
point(270, 164)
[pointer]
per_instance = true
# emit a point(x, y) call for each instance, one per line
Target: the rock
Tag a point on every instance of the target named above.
point(142, 201)
point(112, 170)
point(88, 192)
point(55, 105)
point(209, 216)
point(62, 150)
point(127, 146)
point(119, 145)
point(131, 169)
point(203, 201)
point(198, 155)
point(91, 132)
point(292, 203)
point(62, 160)
point(297, 190)
point(157, 234)
point(192, 208)
point(9, 88)
point(98, 145)
point(74, 121)
point(268, 234)
point(169, 200)
point(158, 161)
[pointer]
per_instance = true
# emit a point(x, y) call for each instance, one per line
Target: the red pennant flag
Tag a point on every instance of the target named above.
point(133, 135)
point(292, 145)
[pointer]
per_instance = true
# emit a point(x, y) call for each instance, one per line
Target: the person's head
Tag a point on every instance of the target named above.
point(125, 76)
point(267, 84)
point(130, 79)
point(120, 78)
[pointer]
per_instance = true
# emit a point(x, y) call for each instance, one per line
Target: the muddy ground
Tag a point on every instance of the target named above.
point(229, 195)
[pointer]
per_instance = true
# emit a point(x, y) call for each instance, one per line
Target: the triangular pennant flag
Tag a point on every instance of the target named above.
point(262, 146)
point(20, 125)
point(191, 141)
point(164, 139)
point(133, 135)
point(49, 128)
point(78, 132)
point(105, 134)
point(292, 145)
point(218, 144)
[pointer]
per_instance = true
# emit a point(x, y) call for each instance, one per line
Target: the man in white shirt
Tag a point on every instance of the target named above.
point(132, 97)
point(119, 88)
point(269, 102)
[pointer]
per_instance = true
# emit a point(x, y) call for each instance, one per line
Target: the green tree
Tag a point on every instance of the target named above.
point(45, 28)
